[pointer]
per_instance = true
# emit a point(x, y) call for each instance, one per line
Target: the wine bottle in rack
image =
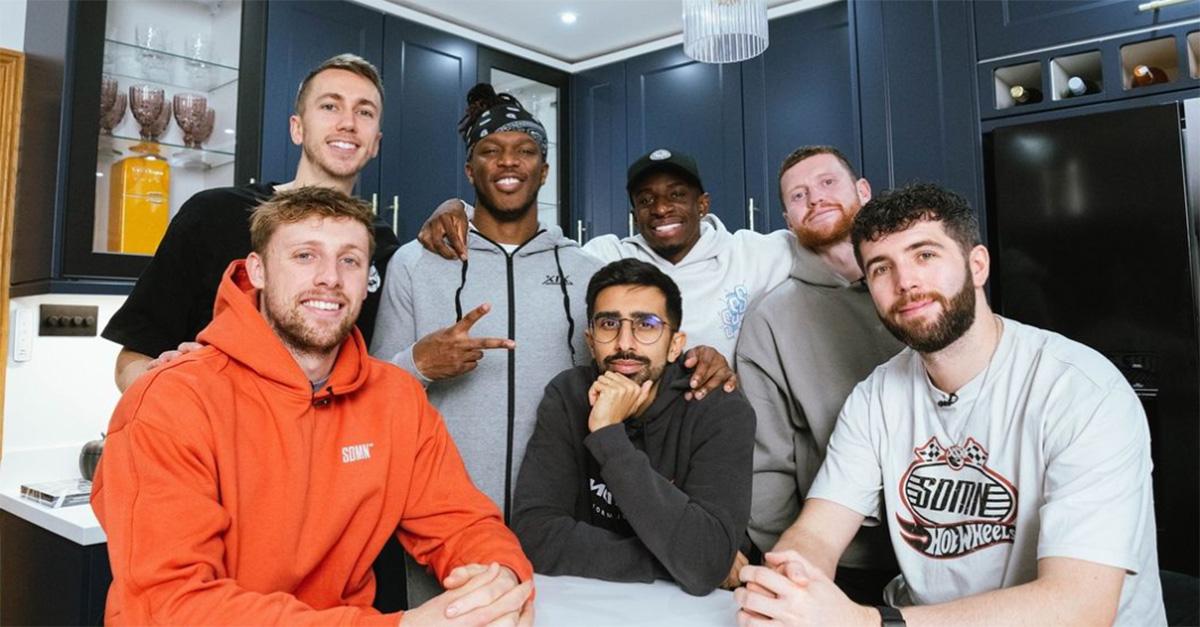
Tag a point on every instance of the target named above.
point(1080, 86)
point(1025, 95)
point(1144, 75)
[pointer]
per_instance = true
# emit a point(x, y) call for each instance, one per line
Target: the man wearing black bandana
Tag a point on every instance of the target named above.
point(623, 478)
point(485, 336)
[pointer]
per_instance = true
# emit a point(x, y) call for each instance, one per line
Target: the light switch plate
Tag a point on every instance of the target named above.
point(72, 320)
point(24, 326)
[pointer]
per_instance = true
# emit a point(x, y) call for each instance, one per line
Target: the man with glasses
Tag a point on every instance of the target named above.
point(623, 479)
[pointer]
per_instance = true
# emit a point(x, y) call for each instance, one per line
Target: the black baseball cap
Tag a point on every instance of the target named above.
point(661, 159)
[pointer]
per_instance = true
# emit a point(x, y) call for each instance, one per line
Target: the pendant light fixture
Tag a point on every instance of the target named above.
point(724, 31)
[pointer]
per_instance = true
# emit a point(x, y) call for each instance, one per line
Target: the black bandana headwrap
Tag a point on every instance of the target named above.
point(489, 112)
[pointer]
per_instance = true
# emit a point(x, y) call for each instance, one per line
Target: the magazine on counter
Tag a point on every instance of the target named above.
point(61, 493)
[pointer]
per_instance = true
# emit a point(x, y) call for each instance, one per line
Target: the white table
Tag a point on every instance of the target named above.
point(580, 602)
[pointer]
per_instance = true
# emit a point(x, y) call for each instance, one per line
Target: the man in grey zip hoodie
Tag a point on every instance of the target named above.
point(803, 348)
point(520, 298)
point(624, 479)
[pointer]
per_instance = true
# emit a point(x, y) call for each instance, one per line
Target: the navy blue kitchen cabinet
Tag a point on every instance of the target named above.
point(427, 75)
point(46, 579)
point(695, 107)
point(1005, 27)
point(916, 81)
point(738, 120)
point(598, 153)
point(300, 35)
point(800, 92)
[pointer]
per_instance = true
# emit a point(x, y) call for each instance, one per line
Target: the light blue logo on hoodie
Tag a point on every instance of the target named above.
point(737, 301)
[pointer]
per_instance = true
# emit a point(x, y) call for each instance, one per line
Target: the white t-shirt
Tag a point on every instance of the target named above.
point(1046, 453)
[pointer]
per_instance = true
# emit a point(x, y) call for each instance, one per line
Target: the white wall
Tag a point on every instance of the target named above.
point(12, 24)
point(65, 394)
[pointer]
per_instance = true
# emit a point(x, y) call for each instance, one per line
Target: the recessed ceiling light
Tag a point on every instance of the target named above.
point(568, 17)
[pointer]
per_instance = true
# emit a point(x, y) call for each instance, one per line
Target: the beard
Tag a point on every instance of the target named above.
point(958, 314)
point(298, 335)
point(829, 234)
point(648, 373)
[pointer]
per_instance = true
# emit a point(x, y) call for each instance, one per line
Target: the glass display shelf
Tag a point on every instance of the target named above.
point(115, 147)
point(130, 61)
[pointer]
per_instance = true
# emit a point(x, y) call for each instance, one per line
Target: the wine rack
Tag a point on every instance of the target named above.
point(1129, 65)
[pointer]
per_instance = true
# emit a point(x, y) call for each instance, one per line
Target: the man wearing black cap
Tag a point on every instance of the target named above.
point(719, 273)
point(485, 336)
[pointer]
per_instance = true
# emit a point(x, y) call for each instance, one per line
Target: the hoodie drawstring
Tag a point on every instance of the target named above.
point(562, 283)
point(324, 400)
point(458, 314)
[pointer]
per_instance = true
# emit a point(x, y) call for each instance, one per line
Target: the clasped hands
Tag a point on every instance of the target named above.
point(477, 595)
point(790, 590)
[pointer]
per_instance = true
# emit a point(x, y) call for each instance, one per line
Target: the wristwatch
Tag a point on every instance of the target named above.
point(890, 616)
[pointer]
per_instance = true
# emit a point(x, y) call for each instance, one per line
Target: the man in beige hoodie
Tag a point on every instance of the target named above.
point(802, 349)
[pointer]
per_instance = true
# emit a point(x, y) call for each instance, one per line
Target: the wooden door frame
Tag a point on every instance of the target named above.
point(12, 70)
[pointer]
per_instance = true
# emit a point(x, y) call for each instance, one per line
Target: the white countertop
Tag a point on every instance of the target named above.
point(76, 523)
point(580, 601)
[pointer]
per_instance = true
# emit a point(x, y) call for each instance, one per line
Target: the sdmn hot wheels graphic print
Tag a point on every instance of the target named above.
point(956, 504)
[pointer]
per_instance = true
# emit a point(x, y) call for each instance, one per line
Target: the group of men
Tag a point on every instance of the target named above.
point(584, 398)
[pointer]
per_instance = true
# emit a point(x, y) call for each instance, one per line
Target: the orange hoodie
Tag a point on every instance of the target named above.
point(232, 493)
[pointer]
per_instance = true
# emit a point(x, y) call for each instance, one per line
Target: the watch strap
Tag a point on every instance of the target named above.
point(890, 616)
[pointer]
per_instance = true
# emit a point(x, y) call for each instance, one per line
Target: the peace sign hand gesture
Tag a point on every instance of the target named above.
point(451, 351)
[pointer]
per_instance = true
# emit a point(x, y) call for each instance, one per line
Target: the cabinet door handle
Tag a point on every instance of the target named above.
point(630, 224)
point(374, 204)
point(396, 215)
point(1158, 4)
point(580, 229)
point(750, 209)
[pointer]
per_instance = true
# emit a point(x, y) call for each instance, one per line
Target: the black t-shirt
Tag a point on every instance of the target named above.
point(173, 299)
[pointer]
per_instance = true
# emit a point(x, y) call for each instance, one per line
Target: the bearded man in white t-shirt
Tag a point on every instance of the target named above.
point(1012, 463)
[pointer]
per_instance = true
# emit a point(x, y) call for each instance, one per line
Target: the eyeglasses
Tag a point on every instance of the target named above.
point(646, 329)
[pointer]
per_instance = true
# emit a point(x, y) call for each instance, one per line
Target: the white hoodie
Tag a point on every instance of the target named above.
point(718, 279)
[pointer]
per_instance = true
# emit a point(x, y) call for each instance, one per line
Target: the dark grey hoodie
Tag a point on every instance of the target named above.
point(665, 495)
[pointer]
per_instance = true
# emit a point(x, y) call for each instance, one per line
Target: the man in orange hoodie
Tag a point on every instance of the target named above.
point(255, 480)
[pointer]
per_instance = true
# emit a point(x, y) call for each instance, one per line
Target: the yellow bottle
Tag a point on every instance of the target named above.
point(139, 204)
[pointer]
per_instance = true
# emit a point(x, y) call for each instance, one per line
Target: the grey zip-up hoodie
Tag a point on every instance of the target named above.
point(664, 495)
point(491, 410)
point(802, 349)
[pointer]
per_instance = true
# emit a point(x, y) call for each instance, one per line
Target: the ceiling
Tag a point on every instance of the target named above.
point(602, 27)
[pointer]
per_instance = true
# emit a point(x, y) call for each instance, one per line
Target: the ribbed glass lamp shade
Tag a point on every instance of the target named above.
point(724, 31)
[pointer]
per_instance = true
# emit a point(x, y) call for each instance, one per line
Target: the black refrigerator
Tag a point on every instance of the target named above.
point(1093, 231)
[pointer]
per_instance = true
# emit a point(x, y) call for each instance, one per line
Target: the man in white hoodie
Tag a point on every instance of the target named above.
point(718, 273)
